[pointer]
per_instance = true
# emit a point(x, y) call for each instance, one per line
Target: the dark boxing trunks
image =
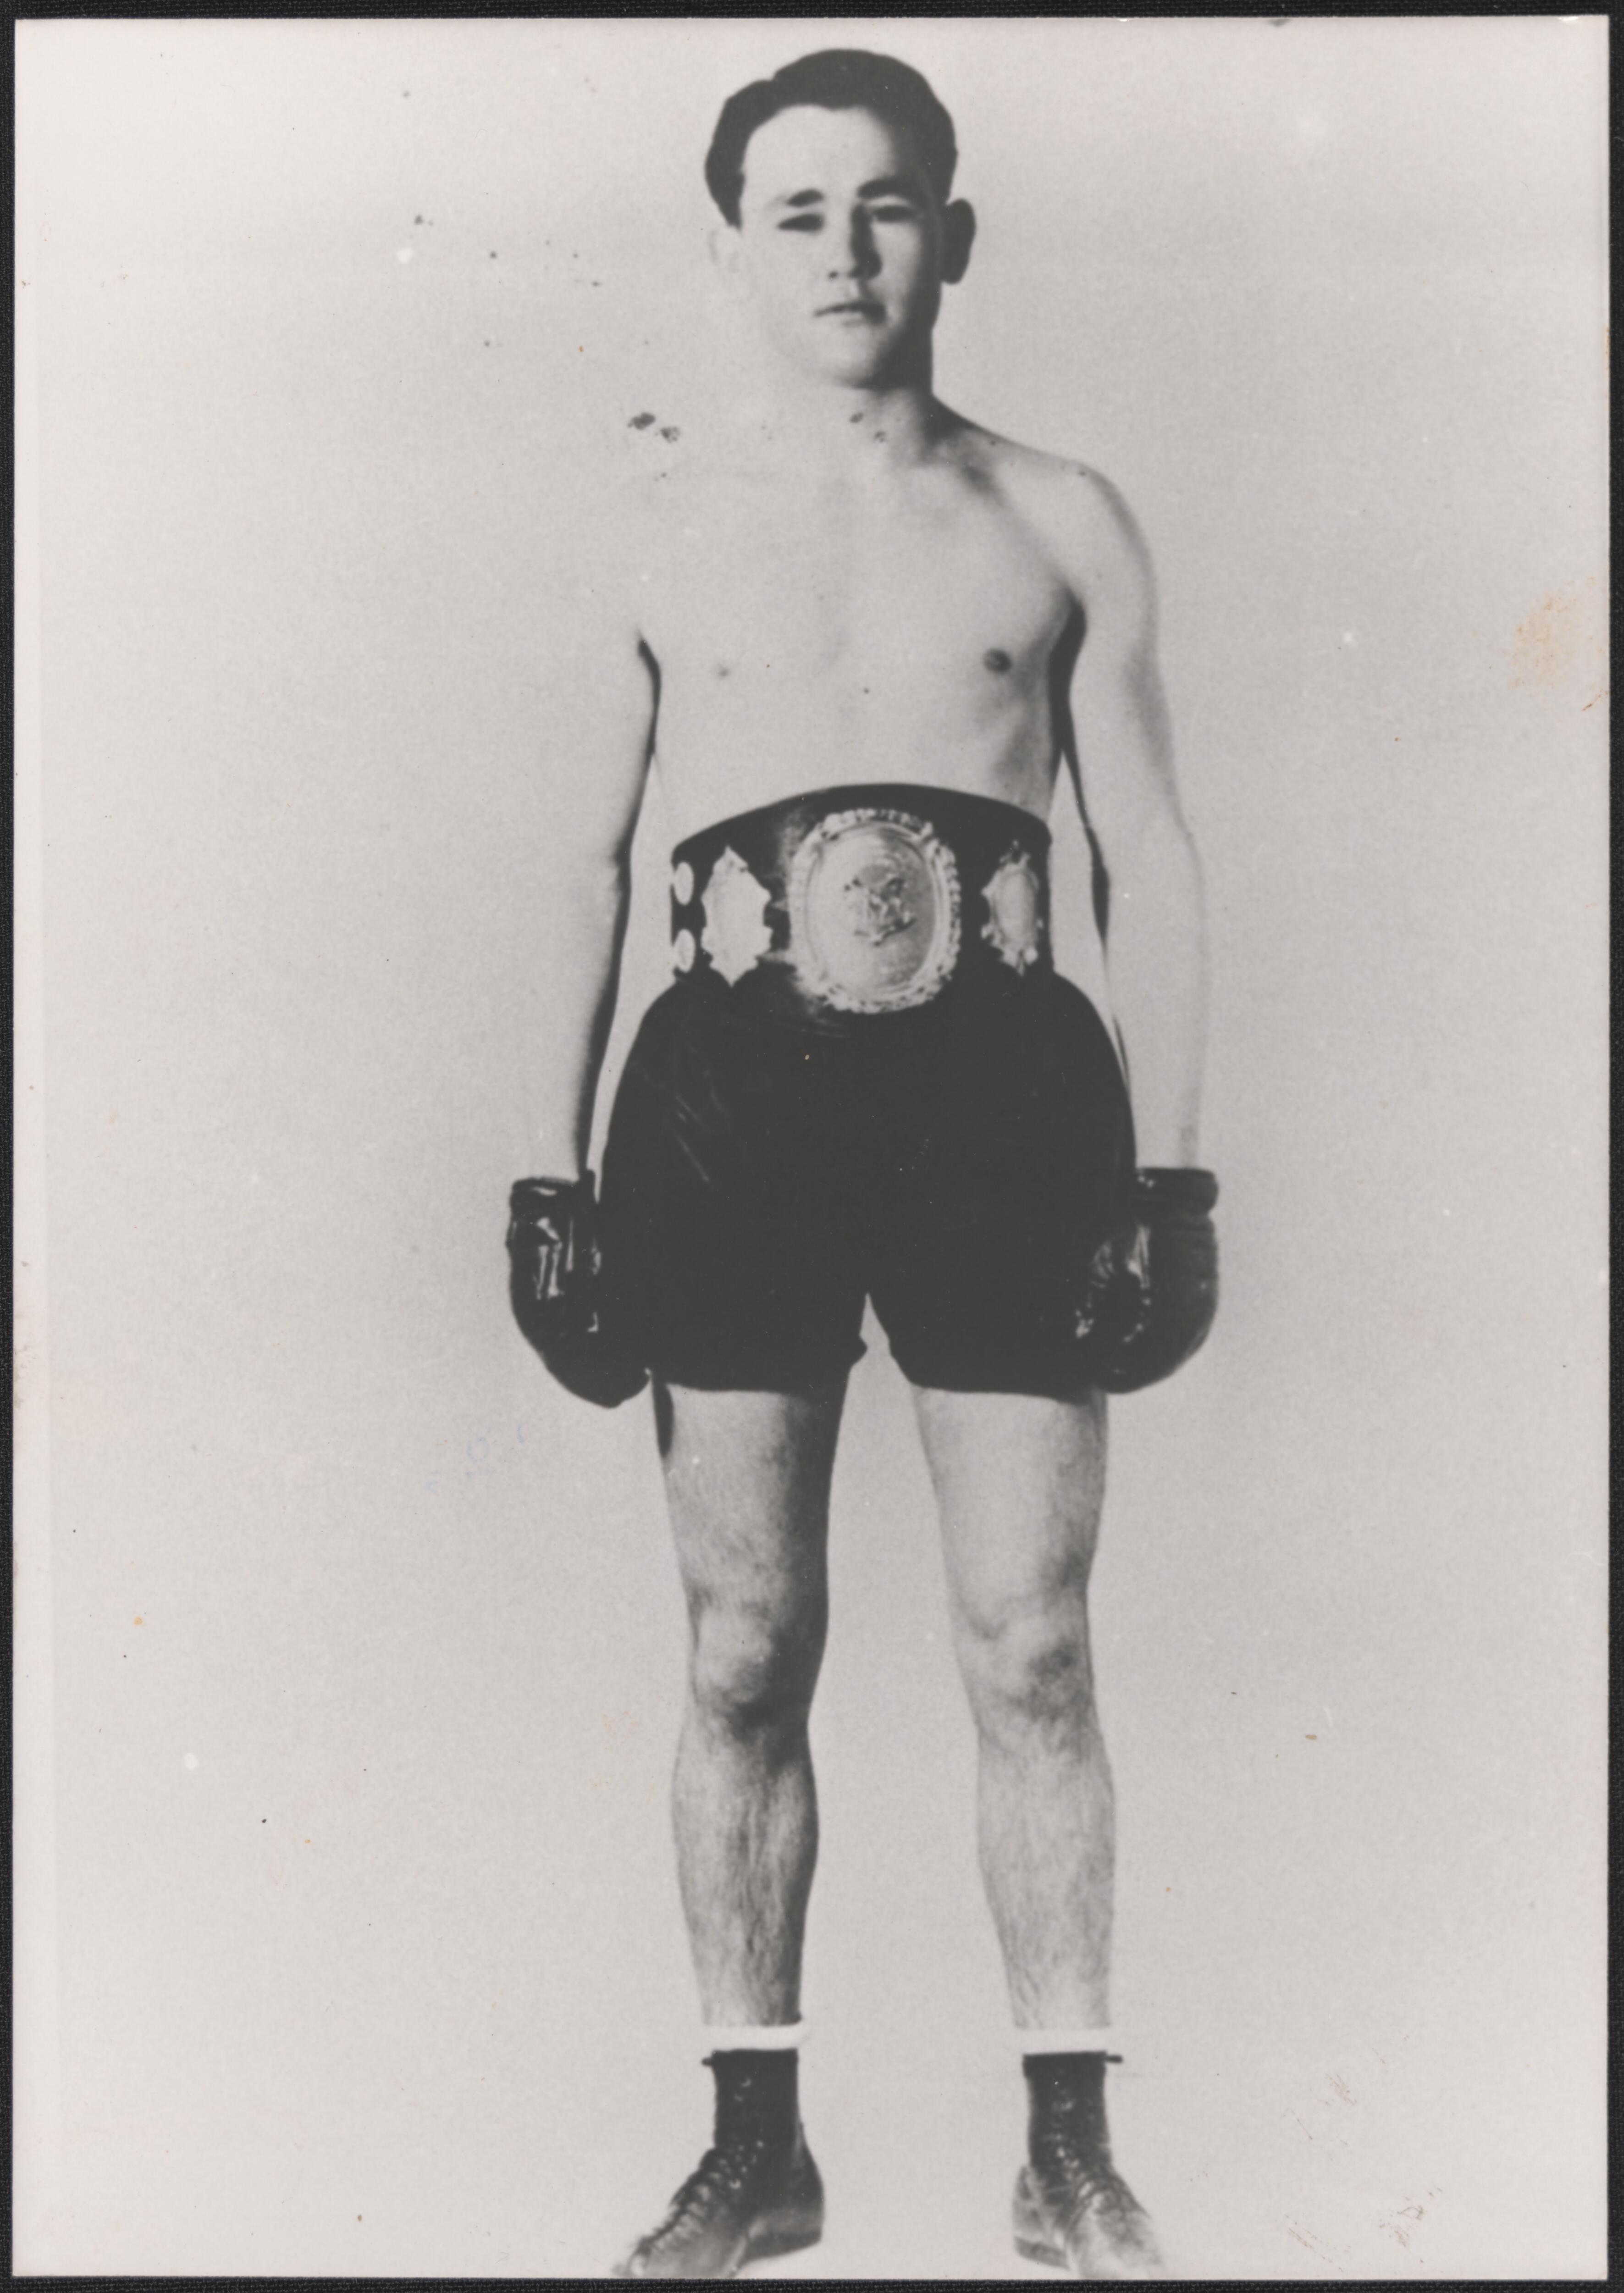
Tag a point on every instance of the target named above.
point(868, 1080)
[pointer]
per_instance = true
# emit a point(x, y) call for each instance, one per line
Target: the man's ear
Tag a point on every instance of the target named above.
point(724, 252)
point(957, 237)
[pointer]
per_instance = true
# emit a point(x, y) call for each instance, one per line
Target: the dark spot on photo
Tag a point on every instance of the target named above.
point(671, 434)
point(639, 421)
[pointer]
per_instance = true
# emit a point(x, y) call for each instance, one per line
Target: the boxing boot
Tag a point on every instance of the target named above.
point(754, 2193)
point(1072, 2210)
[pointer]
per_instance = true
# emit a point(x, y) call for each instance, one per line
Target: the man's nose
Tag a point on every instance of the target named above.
point(853, 254)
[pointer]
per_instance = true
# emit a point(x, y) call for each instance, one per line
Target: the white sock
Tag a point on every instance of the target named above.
point(1098, 2038)
point(752, 2037)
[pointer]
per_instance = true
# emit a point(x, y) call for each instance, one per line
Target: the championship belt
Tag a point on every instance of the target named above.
point(874, 910)
point(861, 901)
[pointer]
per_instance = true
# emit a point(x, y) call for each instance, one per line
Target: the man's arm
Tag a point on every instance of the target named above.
point(1155, 936)
point(599, 697)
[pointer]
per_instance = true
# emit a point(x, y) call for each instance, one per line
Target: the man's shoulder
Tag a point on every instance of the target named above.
point(616, 505)
point(1081, 515)
point(653, 455)
point(665, 482)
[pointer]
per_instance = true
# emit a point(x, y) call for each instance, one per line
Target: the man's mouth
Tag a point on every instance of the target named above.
point(856, 307)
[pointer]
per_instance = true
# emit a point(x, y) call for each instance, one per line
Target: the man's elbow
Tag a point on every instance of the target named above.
point(1160, 866)
point(606, 882)
point(592, 887)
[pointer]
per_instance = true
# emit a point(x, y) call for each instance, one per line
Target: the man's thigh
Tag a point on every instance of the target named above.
point(1020, 1481)
point(729, 1256)
point(748, 1484)
point(985, 1223)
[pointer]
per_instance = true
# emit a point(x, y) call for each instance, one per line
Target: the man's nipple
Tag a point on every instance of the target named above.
point(995, 659)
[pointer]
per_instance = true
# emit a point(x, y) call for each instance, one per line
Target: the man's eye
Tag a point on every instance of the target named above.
point(893, 215)
point(803, 222)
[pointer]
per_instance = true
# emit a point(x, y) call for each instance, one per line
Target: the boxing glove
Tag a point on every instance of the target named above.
point(1152, 1286)
point(555, 1281)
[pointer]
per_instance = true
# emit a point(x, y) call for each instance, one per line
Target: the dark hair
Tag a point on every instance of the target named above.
point(836, 79)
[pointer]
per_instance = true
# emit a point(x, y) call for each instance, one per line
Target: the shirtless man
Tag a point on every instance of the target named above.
point(863, 643)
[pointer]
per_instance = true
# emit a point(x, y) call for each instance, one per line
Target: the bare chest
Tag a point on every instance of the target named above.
point(876, 600)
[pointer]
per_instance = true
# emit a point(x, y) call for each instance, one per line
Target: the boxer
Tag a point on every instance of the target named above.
point(871, 635)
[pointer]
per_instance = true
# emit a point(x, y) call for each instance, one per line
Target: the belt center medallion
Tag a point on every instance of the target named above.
point(874, 907)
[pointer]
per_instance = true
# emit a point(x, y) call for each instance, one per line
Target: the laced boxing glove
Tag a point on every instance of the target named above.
point(1152, 1286)
point(553, 1281)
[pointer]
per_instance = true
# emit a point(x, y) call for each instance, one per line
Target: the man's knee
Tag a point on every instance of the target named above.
point(752, 1673)
point(1028, 1669)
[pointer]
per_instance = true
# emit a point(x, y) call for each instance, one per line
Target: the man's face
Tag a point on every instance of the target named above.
point(841, 243)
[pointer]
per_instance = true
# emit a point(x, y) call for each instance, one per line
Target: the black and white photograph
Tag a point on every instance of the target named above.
point(810, 1147)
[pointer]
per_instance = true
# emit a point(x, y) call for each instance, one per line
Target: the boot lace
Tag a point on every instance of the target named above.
point(721, 2178)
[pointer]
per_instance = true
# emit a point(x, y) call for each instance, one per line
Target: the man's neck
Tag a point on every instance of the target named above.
point(833, 435)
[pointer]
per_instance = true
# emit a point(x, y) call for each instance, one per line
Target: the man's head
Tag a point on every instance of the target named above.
point(834, 176)
point(834, 79)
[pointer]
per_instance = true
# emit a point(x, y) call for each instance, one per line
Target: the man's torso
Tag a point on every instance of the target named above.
point(912, 624)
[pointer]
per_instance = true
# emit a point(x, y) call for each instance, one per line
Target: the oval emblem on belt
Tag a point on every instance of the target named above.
point(1014, 894)
point(736, 934)
point(873, 910)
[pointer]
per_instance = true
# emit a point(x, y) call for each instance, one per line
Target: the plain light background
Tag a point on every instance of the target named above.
point(350, 1649)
